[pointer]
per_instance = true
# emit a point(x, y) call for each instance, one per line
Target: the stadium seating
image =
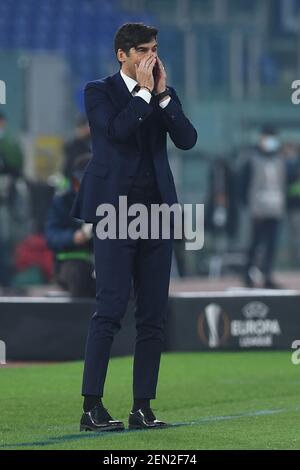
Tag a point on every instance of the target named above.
point(81, 30)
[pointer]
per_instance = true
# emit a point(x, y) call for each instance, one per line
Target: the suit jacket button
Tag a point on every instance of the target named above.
point(140, 119)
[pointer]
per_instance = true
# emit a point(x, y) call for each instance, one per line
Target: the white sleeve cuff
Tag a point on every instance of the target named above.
point(165, 103)
point(145, 94)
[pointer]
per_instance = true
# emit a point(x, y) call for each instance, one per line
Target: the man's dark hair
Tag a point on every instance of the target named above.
point(132, 35)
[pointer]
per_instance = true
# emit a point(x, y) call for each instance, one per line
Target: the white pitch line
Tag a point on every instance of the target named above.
point(96, 435)
point(250, 414)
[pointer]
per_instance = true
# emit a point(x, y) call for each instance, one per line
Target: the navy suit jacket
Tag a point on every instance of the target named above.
point(115, 119)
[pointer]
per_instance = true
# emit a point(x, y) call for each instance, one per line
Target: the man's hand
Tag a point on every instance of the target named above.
point(161, 78)
point(79, 237)
point(144, 75)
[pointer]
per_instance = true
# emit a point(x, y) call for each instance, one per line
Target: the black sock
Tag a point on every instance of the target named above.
point(90, 401)
point(140, 403)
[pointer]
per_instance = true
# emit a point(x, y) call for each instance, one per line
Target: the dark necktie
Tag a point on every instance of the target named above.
point(136, 88)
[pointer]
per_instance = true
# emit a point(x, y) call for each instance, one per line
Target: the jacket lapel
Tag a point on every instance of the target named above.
point(121, 96)
point(119, 91)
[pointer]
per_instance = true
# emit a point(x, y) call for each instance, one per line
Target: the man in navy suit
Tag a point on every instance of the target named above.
point(130, 114)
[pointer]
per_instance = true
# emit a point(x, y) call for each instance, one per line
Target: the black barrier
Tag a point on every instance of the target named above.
point(233, 321)
point(54, 329)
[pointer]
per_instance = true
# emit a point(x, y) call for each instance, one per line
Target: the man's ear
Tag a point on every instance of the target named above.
point(121, 55)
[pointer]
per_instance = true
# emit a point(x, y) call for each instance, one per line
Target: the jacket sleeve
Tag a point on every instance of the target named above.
point(58, 235)
point(116, 126)
point(180, 129)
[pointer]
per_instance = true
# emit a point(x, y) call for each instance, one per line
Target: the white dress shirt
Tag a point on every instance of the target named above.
point(144, 94)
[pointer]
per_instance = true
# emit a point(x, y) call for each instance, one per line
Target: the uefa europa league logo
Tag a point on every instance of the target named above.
point(213, 326)
point(212, 315)
point(2, 92)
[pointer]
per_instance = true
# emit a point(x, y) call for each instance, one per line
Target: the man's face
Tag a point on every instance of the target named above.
point(136, 54)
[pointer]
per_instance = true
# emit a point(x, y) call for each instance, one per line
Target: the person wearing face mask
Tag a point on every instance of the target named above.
point(263, 189)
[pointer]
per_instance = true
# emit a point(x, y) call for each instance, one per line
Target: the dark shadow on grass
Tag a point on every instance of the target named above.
point(97, 435)
point(82, 436)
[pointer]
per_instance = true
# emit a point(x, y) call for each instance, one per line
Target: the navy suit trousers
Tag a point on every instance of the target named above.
point(148, 263)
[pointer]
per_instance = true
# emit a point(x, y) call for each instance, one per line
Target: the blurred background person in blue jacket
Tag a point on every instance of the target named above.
point(71, 239)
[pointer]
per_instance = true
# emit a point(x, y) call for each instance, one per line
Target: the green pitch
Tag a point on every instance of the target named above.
point(215, 401)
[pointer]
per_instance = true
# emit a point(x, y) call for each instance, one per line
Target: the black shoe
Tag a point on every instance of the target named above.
point(144, 419)
point(98, 419)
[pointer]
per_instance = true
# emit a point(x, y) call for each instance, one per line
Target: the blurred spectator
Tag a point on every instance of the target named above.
point(15, 207)
point(4, 266)
point(11, 155)
point(71, 240)
point(79, 145)
point(292, 159)
point(33, 261)
point(222, 199)
point(221, 215)
point(263, 187)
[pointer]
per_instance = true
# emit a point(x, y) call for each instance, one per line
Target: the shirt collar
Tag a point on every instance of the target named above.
point(130, 82)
